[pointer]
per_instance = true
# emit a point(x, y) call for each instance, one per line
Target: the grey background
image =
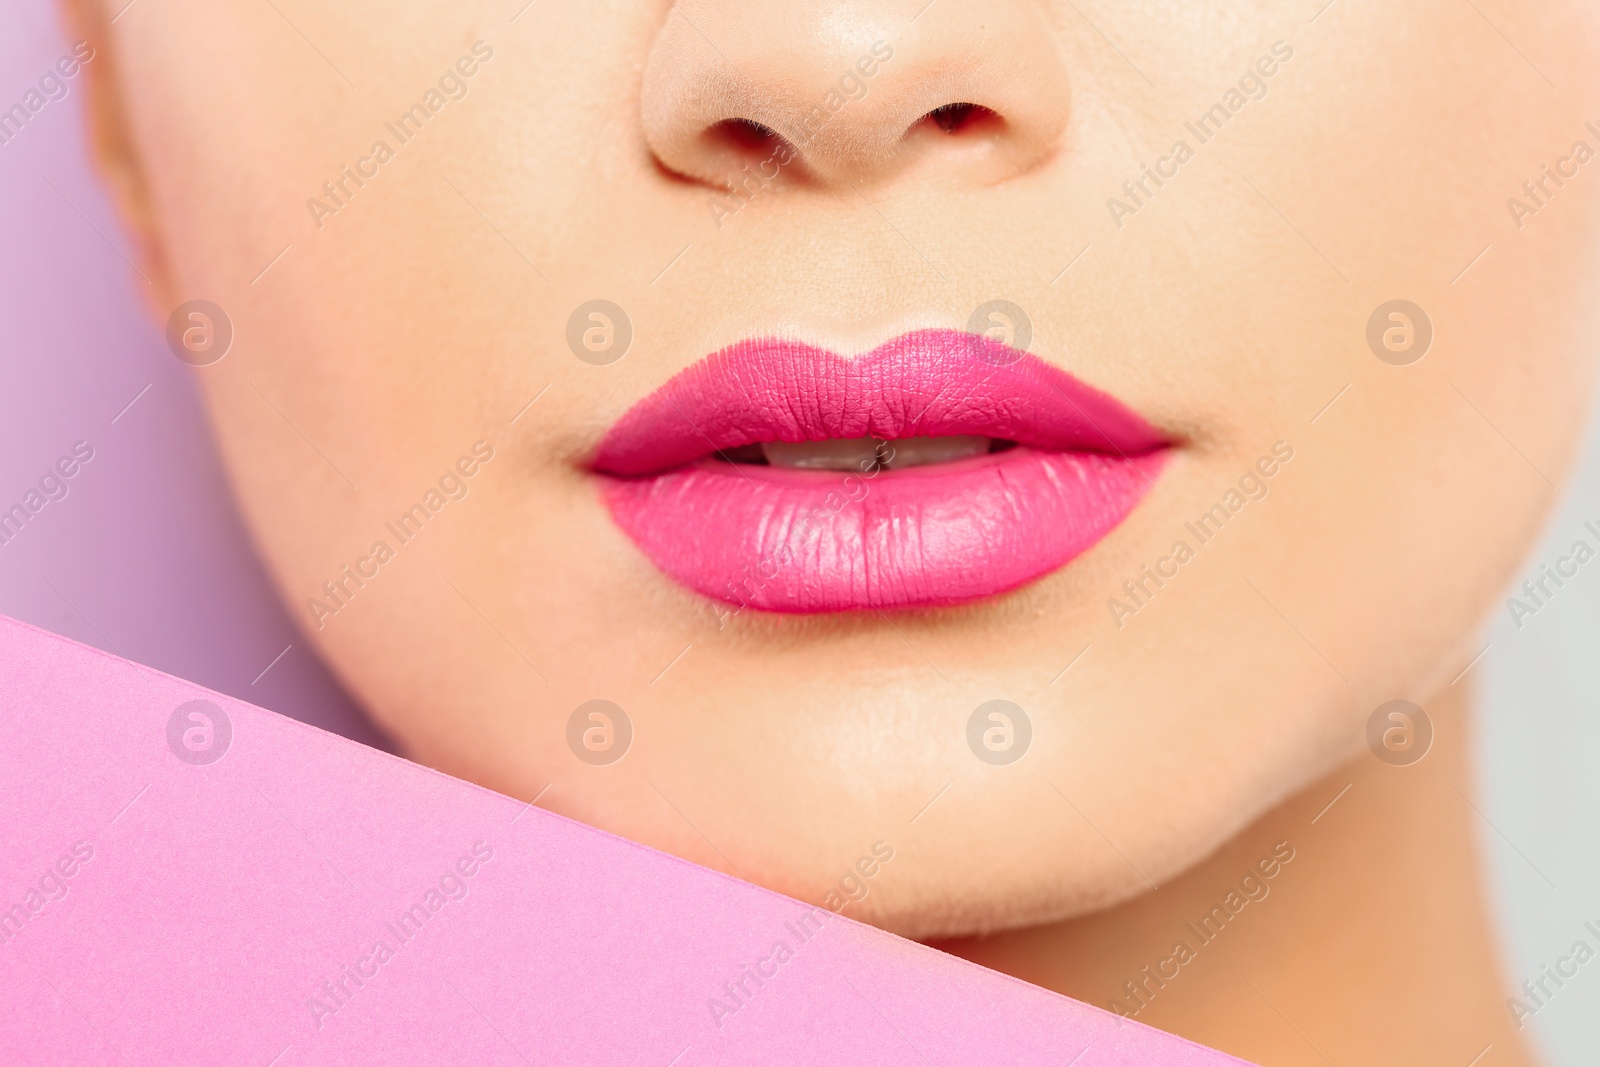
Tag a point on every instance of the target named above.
point(1538, 753)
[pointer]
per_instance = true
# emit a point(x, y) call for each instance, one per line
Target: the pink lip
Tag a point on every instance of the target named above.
point(788, 540)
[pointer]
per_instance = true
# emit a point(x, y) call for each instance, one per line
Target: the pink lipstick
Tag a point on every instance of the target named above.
point(940, 467)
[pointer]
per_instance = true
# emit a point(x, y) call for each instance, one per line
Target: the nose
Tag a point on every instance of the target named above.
point(852, 94)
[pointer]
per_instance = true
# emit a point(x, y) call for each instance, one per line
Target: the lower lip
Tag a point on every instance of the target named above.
point(805, 541)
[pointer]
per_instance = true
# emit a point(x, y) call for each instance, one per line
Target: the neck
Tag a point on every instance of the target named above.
point(1371, 945)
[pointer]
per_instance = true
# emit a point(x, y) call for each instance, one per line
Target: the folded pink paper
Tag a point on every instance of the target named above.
point(188, 879)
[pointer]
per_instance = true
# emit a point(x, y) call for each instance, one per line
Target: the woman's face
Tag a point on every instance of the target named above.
point(1196, 217)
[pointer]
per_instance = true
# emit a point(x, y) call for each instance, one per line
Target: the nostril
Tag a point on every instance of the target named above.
point(743, 135)
point(962, 117)
point(732, 149)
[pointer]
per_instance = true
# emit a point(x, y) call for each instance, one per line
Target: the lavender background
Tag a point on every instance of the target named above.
point(147, 558)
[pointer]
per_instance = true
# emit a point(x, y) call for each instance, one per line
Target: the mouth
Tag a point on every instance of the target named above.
point(939, 468)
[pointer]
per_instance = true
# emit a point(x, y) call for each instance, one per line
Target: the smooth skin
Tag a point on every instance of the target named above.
point(1229, 305)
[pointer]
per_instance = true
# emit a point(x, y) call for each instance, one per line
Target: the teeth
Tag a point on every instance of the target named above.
point(866, 454)
point(918, 451)
point(851, 454)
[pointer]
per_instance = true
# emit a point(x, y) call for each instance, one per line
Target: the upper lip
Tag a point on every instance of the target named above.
point(927, 383)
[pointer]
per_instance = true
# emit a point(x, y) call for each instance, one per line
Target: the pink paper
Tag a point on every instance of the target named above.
point(209, 883)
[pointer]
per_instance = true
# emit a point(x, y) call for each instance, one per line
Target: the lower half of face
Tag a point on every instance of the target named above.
point(952, 489)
